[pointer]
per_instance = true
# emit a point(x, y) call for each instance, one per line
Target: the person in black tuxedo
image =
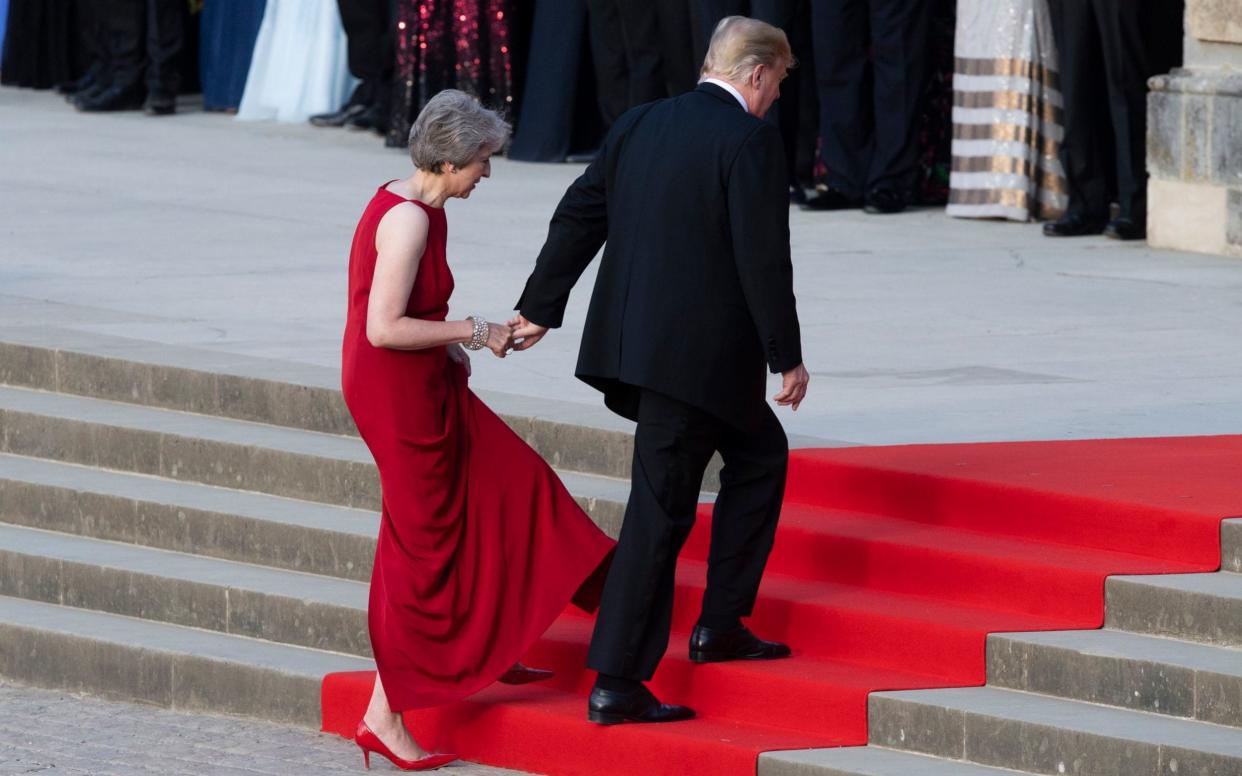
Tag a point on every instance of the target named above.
point(1108, 49)
point(143, 40)
point(871, 65)
point(694, 295)
point(370, 27)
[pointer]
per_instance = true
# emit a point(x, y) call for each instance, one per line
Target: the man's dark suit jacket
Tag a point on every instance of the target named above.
point(695, 291)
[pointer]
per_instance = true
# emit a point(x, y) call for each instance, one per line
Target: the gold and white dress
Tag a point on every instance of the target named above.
point(1007, 113)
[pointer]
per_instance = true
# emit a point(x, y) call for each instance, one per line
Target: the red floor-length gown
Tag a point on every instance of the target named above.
point(480, 545)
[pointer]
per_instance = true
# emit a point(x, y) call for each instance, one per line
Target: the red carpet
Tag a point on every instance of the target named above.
point(891, 566)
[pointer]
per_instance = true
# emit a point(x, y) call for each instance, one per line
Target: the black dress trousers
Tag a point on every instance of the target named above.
point(1108, 49)
point(625, 45)
point(672, 446)
point(144, 39)
point(370, 36)
point(871, 66)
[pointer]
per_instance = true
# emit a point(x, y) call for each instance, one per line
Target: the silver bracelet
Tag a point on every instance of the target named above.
point(482, 330)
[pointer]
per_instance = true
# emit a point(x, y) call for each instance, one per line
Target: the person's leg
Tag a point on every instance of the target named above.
point(123, 24)
point(679, 53)
point(794, 18)
point(899, 30)
point(612, 74)
point(388, 725)
point(639, 30)
point(1086, 145)
point(166, 21)
point(840, 35)
point(752, 485)
point(672, 445)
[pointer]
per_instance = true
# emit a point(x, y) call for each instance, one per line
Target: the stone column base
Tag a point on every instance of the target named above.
point(1194, 157)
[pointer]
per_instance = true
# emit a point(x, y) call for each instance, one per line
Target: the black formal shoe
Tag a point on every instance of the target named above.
point(716, 646)
point(832, 199)
point(92, 76)
point(884, 200)
point(607, 707)
point(160, 104)
point(1073, 225)
point(115, 97)
point(1126, 229)
point(90, 92)
point(337, 118)
point(797, 195)
point(373, 119)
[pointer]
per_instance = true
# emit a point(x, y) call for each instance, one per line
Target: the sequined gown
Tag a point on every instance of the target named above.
point(450, 44)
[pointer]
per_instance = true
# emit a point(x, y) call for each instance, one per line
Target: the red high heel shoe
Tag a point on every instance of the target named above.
point(520, 674)
point(368, 742)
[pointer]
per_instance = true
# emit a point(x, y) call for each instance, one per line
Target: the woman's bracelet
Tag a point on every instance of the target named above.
point(482, 330)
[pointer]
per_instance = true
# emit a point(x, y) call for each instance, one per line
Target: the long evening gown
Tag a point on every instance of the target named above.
point(299, 66)
point(229, 29)
point(480, 546)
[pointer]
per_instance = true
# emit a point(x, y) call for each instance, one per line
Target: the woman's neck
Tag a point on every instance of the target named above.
point(427, 187)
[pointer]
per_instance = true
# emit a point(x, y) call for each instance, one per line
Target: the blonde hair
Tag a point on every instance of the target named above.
point(740, 44)
point(453, 128)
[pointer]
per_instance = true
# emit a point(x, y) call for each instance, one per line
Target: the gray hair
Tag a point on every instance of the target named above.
point(453, 128)
point(740, 44)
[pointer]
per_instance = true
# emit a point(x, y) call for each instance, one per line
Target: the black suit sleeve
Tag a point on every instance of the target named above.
point(579, 228)
point(759, 217)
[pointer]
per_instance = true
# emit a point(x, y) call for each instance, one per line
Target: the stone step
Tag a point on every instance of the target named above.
point(1198, 607)
point(1127, 670)
point(1041, 734)
point(243, 455)
point(288, 607)
point(868, 761)
point(1231, 546)
point(575, 437)
point(221, 522)
point(183, 668)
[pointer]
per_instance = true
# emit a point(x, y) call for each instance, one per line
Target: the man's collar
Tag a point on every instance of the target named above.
point(730, 88)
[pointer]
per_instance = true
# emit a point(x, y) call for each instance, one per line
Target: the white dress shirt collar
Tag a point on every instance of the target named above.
point(728, 87)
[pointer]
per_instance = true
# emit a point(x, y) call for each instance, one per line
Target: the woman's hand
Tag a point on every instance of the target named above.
point(499, 339)
point(458, 355)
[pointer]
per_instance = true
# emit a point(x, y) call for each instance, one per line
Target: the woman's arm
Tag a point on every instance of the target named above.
point(400, 241)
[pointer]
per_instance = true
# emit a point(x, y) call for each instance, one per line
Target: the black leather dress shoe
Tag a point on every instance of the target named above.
point(607, 707)
point(160, 104)
point(115, 97)
point(884, 200)
point(373, 119)
point(715, 646)
point(797, 195)
point(1073, 225)
point(1126, 229)
point(832, 199)
point(337, 118)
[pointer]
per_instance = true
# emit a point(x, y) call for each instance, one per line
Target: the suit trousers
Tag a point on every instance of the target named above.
point(369, 32)
point(871, 66)
point(672, 446)
point(1108, 49)
point(144, 38)
point(625, 44)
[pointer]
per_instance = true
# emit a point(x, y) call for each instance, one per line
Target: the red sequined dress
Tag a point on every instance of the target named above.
point(450, 44)
point(480, 545)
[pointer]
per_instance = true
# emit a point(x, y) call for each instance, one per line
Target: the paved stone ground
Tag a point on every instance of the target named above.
point(58, 734)
point(200, 230)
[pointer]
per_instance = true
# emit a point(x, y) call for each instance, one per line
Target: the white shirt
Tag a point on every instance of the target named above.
point(728, 87)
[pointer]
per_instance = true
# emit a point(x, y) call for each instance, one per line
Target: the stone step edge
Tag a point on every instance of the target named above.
point(1157, 605)
point(180, 668)
point(869, 761)
point(992, 726)
point(1122, 669)
point(577, 437)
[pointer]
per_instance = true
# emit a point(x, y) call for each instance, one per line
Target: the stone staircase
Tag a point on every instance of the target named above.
point(191, 530)
point(1156, 692)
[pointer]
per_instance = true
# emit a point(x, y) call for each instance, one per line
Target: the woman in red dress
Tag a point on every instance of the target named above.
point(480, 546)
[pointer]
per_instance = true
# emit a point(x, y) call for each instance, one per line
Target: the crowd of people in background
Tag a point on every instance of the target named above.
point(1010, 109)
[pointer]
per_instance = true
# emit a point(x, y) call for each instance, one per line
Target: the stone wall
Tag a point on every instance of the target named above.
point(1194, 137)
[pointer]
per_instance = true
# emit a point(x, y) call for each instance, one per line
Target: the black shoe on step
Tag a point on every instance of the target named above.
point(609, 707)
point(832, 199)
point(114, 98)
point(160, 104)
point(1074, 225)
point(1126, 229)
point(716, 646)
point(373, 119)
point(337, 118)
point(884, 201)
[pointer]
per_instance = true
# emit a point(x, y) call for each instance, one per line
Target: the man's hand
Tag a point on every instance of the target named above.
point(525, 333)
point(458, 355)
point(793, 391)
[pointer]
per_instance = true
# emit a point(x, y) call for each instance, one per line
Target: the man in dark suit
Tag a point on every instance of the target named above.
point(694, 295)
